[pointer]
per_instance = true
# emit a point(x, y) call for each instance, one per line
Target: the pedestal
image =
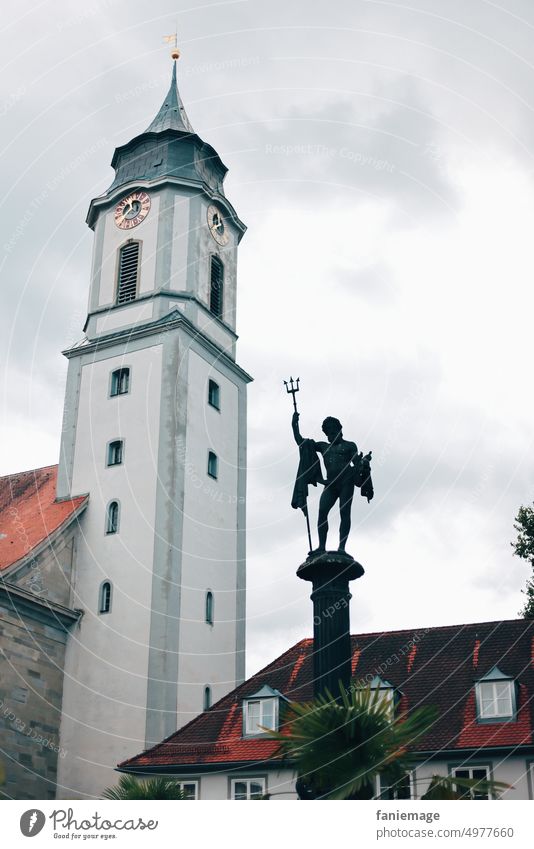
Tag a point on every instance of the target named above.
point(330, 574)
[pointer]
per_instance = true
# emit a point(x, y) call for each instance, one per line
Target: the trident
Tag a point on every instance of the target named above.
point(292, 387)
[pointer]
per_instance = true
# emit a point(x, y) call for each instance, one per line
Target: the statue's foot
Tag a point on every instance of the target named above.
point(316, 551)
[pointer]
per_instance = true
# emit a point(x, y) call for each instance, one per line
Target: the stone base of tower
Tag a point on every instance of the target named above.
point(330, 574)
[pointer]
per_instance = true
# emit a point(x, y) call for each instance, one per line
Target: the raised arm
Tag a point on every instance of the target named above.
point(296, 432)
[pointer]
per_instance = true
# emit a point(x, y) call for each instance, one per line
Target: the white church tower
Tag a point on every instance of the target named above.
point(155, 431)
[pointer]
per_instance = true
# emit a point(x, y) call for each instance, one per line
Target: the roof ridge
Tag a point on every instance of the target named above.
point(29, 471)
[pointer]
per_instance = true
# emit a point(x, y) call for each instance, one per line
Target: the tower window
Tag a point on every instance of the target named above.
point(209, 607)
point(120, 381)
point(214, 394)
point(207, 698)
point(128, 272)
point(216, 286)
point(213, 465)
point(115, 452)
point(104, 602)
point(112, 518)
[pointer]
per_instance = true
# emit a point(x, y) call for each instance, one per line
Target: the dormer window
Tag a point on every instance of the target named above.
point(496, 697)
point(261, 711)
point(385, 692)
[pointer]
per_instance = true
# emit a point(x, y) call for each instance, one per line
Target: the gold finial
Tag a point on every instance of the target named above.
point(173, 39)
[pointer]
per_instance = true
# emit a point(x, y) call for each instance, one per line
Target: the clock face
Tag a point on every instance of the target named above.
point(131, 210)
point(217, 226)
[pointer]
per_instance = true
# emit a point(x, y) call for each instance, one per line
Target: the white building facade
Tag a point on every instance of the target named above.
point(155, 432)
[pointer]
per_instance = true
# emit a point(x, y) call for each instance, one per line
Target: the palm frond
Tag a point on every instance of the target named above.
point(130, 787)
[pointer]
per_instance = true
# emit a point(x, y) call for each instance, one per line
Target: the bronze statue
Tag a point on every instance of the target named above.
point(345, 469)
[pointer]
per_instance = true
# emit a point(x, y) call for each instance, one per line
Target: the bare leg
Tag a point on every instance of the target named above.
point(345, 506)
point(327, 501)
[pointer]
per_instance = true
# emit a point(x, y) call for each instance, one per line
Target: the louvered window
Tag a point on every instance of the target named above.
point(216, 286)
point(128, 272)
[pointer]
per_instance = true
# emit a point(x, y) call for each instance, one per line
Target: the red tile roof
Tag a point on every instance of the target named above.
point(440, 673)
point(29, 512)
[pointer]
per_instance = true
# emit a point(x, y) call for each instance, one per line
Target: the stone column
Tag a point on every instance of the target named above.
point(330, 574)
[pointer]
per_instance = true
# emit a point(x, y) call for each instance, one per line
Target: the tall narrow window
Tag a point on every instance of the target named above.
point(209, 607)
point(112, 518)
point(104, 602)
point(216, 286)
point(115, 452)
point(128, 272)
point(120, 381)
point(207, 698)
point(213, 465)
point(214, 395)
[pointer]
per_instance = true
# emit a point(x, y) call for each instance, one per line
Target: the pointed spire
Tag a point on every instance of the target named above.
point(172, 115)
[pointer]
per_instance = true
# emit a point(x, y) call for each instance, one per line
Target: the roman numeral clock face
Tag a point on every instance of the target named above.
point(131, 210)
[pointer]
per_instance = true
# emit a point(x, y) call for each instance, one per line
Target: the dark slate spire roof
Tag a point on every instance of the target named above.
point(172, 115)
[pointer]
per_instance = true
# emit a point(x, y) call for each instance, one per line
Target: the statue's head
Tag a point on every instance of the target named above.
point(331, 428)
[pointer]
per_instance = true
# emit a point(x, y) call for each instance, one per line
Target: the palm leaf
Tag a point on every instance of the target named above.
point(130, 787)
point(339, 747)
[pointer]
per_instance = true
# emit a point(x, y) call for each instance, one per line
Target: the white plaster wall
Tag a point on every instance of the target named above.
point(126, 316)
point(180, 242)
point(114, 238)
point(280, 783)
point(207, 653)
point(104, 701)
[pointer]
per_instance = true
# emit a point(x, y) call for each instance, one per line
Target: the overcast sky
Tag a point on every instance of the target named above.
point(382, 157)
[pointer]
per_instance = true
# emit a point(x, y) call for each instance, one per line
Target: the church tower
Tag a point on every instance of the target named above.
point(154, 431)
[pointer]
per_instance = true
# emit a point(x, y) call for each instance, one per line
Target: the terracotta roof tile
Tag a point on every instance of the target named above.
point(29, 512)
point(441, 674)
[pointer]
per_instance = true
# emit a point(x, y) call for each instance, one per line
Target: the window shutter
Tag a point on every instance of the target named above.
point(128, 268)
point(216, 286)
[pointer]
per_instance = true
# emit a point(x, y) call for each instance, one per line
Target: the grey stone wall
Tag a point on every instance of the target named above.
point(31, 681)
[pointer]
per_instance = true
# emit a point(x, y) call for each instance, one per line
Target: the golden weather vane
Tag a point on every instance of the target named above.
point(173, 39)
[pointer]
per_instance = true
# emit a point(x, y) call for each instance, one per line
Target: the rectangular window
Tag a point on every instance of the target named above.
point(260, 712)
point(476, 773)
point(248, 788)
point(386, 695)
point(401, 789)
point(495, 699)
point(213, 465)
point(189, 788)
point(120, 381)
point(214, 394)
point(115, 452)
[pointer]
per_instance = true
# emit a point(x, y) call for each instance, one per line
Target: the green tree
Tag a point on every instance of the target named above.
point(130, 787)
point(524, 548)
point(340, 747)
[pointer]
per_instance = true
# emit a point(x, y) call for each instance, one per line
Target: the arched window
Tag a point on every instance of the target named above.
point(115, 452)
point(209, 607)
point(207, 698)
point(104, 603)
point(112, 518)
point(216, 286)
point(128, 272)
point(120, 381)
